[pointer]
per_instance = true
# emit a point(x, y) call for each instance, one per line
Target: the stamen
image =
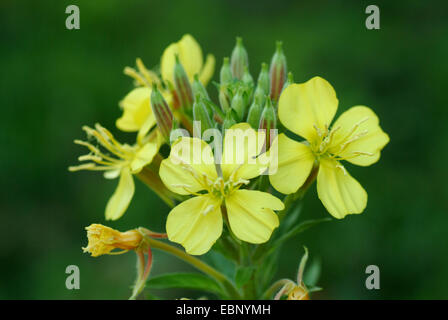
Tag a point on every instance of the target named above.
point(339, 166)
point(150, 76)
point(85, 166)
point(136, 76)
point(355, 127)
point(208, 209)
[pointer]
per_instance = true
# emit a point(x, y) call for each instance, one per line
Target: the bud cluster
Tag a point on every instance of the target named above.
point(241, 99)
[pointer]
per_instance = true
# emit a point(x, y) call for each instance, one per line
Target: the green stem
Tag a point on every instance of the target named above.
point(198, 264)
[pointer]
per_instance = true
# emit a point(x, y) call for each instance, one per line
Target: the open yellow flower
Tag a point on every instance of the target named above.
point(308, 109)
point(123, 161)
point(136, 105)
point(190, 56)
point(190, 169)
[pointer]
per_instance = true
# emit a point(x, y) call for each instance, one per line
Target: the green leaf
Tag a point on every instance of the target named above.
point(194, 281)
point(243, 275)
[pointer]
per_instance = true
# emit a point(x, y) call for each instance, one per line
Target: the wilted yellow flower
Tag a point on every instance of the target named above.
point(295, 290)
point(190, 56)
point(197, 222)
point(123, 161)
point(102, 240)
point(308, 109)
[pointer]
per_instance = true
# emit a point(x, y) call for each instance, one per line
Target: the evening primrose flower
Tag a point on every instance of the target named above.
point(102, 240)
point(307, 109)
point(136, 105)
point(190, 56)
point(190, 169)
point(122, 161)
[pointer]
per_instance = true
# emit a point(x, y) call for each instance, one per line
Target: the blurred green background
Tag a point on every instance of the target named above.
point(54, 80)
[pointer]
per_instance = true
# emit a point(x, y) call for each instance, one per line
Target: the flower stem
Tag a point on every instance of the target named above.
point(198, 264)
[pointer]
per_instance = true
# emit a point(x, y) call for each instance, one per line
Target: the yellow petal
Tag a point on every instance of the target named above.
point(362, 122)
point(251, 215)
point(207, 70)
point(242, 145)
point(303, 106)
point(294, 162)
point(144, 156)
point(190, 56)
point(136, 110)
point(195, 223)
point(339, 192)
point(189, 166)
point(122, 196)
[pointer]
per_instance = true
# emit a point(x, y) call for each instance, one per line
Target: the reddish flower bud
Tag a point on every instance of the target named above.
point(277, 72)
point(162, 113)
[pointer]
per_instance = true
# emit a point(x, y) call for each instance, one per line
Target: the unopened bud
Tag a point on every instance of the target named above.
point(198, 88)
point(268, 121)
point(289, 81)
point(263, 78)
point(277, 72)
point(183, 87)
point(213, 109)
point(254, 114)
point(162, 112)
point(201, 115)
point(224, 97)
point(229, 120)
point(225, 75)
point(247, 78)
point(239, 59)
point(238, 104)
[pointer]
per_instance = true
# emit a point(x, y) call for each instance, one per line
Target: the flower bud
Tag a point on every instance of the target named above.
point(102, 240)
point(239, 59)
point(162, 113)
point(198, 88)
point(255, 110)
point(238, 104)
point(201, 115)
point(224, 97)
point(263, 78)
point(214, 110)
point(229, 120)
point(247, 78)
point(268, 121)
point(182, 84)
point(225, 75)
point(289, 81)
point(277, 72)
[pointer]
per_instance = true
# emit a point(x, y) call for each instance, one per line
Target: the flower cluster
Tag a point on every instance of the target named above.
point(231, 170)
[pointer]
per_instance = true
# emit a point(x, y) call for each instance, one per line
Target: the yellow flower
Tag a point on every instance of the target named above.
point(197, 222)
point(136, 105)
point(102, 240)
point(137, 110)
point(190, 56)
point(307, 109)
point(123, 161)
